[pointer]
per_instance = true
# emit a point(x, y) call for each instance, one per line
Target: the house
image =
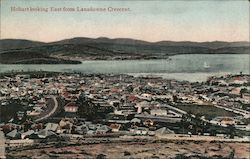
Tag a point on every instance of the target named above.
point(139, 131)
point(37, 127)
point(115, 127)
point(236, 91)
point(246, 96)
point(227, 121)
point(71, 107)
point(102, 129)
point(163, 131)
point(224, 121)
point(13, 134)
point(90, 132)
point(27, 134)
point(158, 112)
point(146, 96)
point(82, 129)
point(133, 98)
point(92, 126)
point(45, 133)
point(135, 120)
point(148, 122)
point(142, 105)
point(65, 126)
point(51, 126)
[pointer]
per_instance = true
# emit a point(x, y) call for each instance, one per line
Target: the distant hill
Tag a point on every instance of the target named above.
point(82, 48)
point(211, 45)
point(25, 57)
point(81, 40)
point(8, 44)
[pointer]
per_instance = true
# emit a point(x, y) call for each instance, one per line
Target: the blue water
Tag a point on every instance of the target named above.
point(188, 67)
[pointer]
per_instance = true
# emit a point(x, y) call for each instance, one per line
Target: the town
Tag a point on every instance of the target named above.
point(62, 108)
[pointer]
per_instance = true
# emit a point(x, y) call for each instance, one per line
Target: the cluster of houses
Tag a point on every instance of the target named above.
point(72, 127)
point(130, 105)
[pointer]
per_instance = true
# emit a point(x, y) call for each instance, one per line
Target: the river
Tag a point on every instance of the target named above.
point(192, 67)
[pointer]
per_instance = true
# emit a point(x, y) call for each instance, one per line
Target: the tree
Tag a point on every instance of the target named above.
point(231, 132)
point(87, 109)
point(243, 90)
point(100, 156)
point(185, 122)
point(175, 98)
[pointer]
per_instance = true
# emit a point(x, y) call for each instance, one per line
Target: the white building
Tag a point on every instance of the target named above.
point(158, 112)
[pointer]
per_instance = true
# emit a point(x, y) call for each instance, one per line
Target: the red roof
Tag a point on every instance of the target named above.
point(71, 104)
point(132, 98)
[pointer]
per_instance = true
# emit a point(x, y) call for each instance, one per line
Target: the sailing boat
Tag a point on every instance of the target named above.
point(206, 65)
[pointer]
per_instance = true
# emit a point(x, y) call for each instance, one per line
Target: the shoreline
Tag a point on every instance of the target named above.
point(79, 60)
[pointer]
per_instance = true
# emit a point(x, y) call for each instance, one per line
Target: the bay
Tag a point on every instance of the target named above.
point(191, 67)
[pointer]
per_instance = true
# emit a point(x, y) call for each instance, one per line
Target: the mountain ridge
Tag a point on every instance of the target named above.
point(103, 48)
point(122, 41)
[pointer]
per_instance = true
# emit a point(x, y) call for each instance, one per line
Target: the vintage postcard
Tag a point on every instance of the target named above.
point(125, 79)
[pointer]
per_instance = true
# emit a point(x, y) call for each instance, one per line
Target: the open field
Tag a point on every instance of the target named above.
point(208, 111)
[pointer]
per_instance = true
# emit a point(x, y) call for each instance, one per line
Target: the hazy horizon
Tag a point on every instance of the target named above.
point(152, 21)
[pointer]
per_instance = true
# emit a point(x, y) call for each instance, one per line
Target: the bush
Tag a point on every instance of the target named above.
point(101, 156)
point(126, 153)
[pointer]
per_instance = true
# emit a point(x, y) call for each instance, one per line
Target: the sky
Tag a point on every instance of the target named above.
point(175, 20)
